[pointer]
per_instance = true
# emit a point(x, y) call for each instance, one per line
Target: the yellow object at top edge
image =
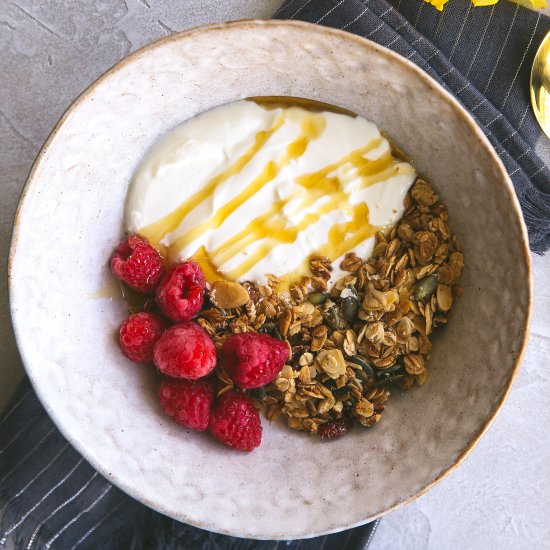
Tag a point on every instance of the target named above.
point(484, 2)
point(534, 4)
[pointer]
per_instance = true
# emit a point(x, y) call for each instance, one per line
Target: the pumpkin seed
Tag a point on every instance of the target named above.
point(344, 390)
point(362, 375)
point(258, 393)
point(350, 303)
point(389, 380)
point(272, 329)
point(424, 289)
point(318, 298)
point(390, 374)
point(364, 365)
point(332, 316)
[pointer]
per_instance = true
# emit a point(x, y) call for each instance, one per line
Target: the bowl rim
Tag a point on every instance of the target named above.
point(377, 49)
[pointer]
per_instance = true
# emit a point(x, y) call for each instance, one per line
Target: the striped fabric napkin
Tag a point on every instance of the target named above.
point(51, 498)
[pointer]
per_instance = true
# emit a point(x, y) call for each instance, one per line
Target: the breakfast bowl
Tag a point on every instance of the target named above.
point(66, 308)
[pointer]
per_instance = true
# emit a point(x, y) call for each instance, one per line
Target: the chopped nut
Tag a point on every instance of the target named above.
point(374, 332)
point(364, 408)
point(332, 362)
point(350, 343)
point(426, 244)
point(304, 310)
point(318, 283)
point(297, 293)
point(318, 337)
point(414, 364)
point(428, 317)
point(377, 300)
point(405, 328)
point(321, 267)
point(306, 359)
point(285, 319)
point(423, 193)
point(315, 319)
point(251, 311)
point(351, 262)
point(444, 297)
point(228, 295)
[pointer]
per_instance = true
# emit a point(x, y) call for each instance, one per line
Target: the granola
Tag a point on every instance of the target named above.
point(369, 333)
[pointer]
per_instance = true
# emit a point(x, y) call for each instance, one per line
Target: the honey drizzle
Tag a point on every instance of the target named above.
point(203, 258)
point(270, 228)
point(155, 232)
point(311, 127)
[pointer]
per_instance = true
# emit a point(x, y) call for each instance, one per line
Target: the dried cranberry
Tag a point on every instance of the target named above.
point(335, 428)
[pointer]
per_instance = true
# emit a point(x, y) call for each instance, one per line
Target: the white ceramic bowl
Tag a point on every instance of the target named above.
point(70, 219)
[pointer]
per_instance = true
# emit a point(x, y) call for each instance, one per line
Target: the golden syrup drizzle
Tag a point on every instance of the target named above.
point(270, 228)
point(204, 259)
point(285, 102)
point(317, 185)
point(311, 127)
point(156, 231)
point(113, 289)
point(271, 225)
point(110, 289)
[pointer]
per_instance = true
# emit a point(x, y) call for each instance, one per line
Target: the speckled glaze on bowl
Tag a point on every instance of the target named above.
point(69, 220)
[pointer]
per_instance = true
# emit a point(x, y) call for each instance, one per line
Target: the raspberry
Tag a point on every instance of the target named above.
point(185, 351)
point(336, 428)
point(188, 402)
point(138, 335)
point(137, 263)
point(235, 421)
point(181, 292)
point(253, 360)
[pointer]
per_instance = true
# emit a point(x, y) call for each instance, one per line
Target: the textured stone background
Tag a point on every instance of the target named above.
point(50, 50)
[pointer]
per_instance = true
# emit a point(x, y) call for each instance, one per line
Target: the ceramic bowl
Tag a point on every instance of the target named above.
point(65, 316)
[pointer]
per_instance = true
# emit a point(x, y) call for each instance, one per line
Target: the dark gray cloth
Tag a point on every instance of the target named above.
point(50, 497)
point(481, 55)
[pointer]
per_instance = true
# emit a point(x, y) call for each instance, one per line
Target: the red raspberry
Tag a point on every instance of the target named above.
point(235, 421)
point(181, 292)
point(336, 428)
point(138, 335)
point(185, 351)
point(137, 263)
point(253, 360)
point(188, 402)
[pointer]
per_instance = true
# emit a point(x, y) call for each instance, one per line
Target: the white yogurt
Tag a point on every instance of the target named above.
point(217, 149)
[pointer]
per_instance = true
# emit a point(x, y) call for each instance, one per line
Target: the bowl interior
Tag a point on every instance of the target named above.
point(66, 315)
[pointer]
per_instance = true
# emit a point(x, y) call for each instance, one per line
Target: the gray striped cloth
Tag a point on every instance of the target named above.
point(51, 498)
